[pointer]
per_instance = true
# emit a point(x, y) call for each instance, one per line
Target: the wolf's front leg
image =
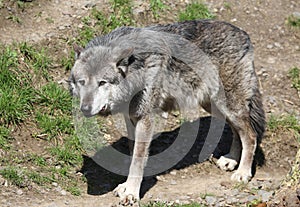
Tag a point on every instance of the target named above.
point(129, 192)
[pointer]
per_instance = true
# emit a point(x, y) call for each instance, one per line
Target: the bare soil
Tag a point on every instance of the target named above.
point(277, 49)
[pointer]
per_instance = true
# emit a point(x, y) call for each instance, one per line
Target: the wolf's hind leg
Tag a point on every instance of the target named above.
point(249, 141)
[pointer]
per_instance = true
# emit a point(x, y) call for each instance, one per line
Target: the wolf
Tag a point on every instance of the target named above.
point(179, 66)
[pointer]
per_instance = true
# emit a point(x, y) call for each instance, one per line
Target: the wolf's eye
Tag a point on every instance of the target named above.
point(81, 82)
point(101, 83)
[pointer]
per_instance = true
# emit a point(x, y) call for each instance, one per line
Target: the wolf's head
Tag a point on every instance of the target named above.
point(98, 78)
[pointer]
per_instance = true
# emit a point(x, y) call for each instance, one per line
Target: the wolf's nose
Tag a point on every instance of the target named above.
point(86, 110)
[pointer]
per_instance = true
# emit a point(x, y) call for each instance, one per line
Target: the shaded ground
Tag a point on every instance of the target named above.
point(277, 49)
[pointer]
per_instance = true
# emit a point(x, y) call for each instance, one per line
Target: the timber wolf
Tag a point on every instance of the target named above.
point(138, 70)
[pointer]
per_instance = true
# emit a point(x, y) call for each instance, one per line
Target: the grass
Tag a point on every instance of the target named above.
point(53, 126)
point(54, 98)
point(30, 97)
point(286, 122)
point(157, 6)
point(23, 178)
point(294, 21)
point(294, 74)
point(5, 138)
point(70, 153)
point(99, 22)
point(14, 88)
point(196, 10)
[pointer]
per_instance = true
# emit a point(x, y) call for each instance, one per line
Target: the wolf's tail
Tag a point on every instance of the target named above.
point(257, 115)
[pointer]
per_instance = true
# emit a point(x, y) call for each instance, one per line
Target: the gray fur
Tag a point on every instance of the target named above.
point(136, 71)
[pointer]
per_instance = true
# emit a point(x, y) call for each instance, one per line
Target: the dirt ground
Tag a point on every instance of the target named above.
point(277, 49)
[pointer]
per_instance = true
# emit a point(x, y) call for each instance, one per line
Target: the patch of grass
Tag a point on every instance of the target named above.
point(38, 178)
point(37, 59)
point(14, 176)
point(69, 153)
point(294, 21)
point(4, 138)
point(15, 90)
point(99, 22)
point(15, 106)
point(157, 6)
point(194, 11)
point(54, 126)
point(22, 178)
point(14, 19)
point(74, 190)
point(38, 160)
point(294, 74)
point(68, 62)
point(55, 98)
point(284, 122)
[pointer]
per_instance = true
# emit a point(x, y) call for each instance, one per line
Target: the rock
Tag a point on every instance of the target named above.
point(265, 195)
point(19, 192)
point(90, 5)
point(296, 15)
point(173, 182)
point(270, 46)
point(54, 184)
point(63, 192)
point(210, 200)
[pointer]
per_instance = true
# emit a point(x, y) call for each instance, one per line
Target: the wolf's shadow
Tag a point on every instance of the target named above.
point(177, 149)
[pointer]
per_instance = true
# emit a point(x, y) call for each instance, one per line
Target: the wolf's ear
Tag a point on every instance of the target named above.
point(78, 49)
point(122, 60)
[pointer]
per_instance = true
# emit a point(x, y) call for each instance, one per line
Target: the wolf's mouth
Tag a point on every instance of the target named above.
point(104, 110)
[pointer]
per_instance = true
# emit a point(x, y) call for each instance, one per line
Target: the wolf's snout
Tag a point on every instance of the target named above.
point(86, 110)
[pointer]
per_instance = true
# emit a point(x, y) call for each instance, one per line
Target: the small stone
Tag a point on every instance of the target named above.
point(173, 182)
point(90, 5)
point(173, 173)
point(277, 44)
point(19, 192)
point(252, 197)
point(271, 60)
point(54, 184)
point(270, 46)
point(63, 192)
point(61, 27)
point(211, 200)
point(265, 195)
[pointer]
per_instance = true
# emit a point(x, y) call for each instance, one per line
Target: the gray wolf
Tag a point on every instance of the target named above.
point(138, 70)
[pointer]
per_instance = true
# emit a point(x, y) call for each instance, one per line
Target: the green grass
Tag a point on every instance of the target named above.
point(99, 22)
point(293, 21)
point(294, 74)
point(37, 59)
point(286, 122)
point(54, 98)
point(14, 88)
point(194, 11)
point(5, 138)
point(157, 6)
point(23, 177)
point(70, 153)
point(54, 126)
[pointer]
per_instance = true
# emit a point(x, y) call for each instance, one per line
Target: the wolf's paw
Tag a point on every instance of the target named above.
point(128, 194)
point(226, 164)
point(242, 176)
